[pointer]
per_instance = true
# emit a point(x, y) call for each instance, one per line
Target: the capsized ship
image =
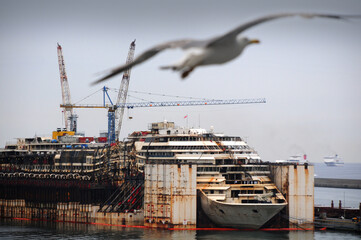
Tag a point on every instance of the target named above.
point(233, 183)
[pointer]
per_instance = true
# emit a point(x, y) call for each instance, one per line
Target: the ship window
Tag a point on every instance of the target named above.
point(258, 191)
point(234, 193)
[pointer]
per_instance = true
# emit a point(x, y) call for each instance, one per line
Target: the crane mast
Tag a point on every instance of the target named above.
point(123, 92)
point(70, 118)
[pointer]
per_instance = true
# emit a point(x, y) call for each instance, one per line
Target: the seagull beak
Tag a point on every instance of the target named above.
point(254, 41)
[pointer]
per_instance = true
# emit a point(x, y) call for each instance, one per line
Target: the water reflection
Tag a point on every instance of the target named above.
point(44, 230)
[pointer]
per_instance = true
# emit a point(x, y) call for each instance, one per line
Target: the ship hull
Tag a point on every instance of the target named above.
point(333, 163)
point(243, 215)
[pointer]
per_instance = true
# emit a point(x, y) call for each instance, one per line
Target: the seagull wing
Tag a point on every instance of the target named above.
point(185, 43)
point(231, 35)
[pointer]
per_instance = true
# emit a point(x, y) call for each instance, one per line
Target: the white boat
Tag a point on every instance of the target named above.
point(333, 161)
point(296, 159)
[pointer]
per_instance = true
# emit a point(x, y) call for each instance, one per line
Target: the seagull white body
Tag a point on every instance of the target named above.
point(200, 56)
point(227, 52)
point(208, 56)
point(216, 50)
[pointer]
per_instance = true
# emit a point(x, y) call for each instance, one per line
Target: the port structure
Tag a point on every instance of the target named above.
point(70, 118)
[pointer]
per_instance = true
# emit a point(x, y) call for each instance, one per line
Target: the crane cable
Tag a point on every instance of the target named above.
point(167, 95)
point(88, 96)
point(161, 94)
point(142, 99)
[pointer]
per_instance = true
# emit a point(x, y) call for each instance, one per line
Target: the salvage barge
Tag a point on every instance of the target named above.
point(155, 179)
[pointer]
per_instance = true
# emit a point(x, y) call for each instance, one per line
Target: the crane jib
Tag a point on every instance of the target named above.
point(171, 103)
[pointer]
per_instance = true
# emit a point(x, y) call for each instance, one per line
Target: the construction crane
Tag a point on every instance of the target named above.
point(170, 103)
point(116, 111)
point(111, 107)
point(70, 118)
point(115, 114)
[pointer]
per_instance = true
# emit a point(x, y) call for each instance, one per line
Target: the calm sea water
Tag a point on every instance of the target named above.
point(21, 230)
point(348, 171)
point(14, 229)
point(349, 197)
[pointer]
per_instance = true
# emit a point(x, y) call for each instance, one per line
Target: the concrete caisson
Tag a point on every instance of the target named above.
point(296, 182)
point(170, 195)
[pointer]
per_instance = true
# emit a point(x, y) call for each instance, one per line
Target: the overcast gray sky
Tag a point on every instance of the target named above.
point(308, 70)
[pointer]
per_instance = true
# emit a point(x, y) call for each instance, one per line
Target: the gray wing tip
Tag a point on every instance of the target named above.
point(325, 15)
point(98, 81)
point(110, 75)
point(104, 78)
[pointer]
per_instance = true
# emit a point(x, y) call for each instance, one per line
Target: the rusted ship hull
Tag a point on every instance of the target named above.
point(244, 216)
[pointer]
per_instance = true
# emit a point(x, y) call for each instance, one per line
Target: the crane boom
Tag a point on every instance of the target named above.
point(70, 118)
point(65, 91)
point(171, 103)
point(123, 92)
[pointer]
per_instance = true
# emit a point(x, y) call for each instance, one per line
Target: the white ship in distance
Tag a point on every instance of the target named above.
point(333, 161)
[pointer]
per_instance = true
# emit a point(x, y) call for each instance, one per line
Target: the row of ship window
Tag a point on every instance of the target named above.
point(228, 169)
point(189, 138)
point(171, 154)
point(234, 193)
point(47, 167)
point(193, 147)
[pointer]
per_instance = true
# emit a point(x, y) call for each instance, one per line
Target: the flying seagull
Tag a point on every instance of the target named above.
point(217, 50)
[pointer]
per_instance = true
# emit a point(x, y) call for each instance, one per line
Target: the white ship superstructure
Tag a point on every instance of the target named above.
point(232, 181)
point(333, 161)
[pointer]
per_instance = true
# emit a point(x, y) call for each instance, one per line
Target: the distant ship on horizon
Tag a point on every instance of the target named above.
point(297, 159)
point(333, 161)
